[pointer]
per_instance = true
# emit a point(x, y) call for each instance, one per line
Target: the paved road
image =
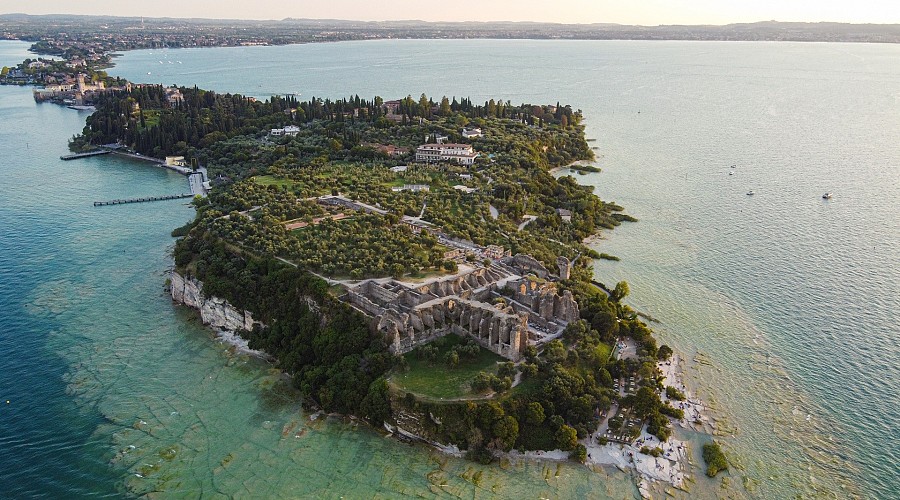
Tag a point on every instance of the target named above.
point(630, 350)
point(528, 220)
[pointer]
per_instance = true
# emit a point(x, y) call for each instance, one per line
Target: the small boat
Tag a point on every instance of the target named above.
point(827, 196)
point(750, 193)
point(730, 173)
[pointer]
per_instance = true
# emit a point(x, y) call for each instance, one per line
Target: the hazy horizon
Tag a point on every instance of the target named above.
point(647, 13)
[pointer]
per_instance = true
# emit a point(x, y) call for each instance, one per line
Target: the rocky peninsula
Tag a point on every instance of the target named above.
point(415, 263)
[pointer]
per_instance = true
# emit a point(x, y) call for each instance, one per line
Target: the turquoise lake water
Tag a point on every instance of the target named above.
point(786, 304)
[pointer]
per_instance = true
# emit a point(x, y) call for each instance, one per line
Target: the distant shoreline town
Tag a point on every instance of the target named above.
point(82, 47)
point(60, 35)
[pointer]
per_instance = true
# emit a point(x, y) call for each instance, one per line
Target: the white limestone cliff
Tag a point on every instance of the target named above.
point(214, 311)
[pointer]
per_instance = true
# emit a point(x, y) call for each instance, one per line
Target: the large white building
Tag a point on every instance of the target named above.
point(473, 132)
point(463, 154)
point(289, 131)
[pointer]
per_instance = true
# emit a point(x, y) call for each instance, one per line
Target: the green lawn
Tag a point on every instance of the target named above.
point(528, 387)
point(603, 351)
point(437, 380)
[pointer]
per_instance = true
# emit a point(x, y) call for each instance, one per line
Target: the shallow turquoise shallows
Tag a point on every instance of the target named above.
point(786, 304)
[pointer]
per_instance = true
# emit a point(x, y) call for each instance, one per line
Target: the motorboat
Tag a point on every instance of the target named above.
point(827, 196)
point(750, 193)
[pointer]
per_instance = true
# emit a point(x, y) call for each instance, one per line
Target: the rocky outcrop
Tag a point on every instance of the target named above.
point(214, 311)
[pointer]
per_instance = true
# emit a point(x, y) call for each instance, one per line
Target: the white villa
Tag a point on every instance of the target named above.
point(175, 161)
point(462, 154)
point(289, 131)
point(415, 188)
point(469, 133)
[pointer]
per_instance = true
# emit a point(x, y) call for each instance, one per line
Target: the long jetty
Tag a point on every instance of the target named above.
point(105, 150)
point(75, 156)
point(143, 200)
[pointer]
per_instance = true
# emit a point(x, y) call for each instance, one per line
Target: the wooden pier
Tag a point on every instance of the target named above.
point(143, 200)
point(75, 156)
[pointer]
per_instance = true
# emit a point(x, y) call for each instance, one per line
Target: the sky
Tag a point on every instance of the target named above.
point(643, 12)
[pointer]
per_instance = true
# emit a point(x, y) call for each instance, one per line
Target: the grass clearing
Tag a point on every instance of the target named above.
point(271, 180)
point(436, 379)
point(603, 351)
point(527, 387)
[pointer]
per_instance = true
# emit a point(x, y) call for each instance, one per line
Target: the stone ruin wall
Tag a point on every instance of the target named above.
point(528, 264)
point(542, 299)
point(501, 332)
point(410, 318)
point(378, 293)
point(363, 303)
point(459, 285)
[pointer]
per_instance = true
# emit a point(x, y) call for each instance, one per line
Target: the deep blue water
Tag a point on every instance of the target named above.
point(48, 261)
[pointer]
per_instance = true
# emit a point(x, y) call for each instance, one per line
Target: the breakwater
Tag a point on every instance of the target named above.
point(85, 155)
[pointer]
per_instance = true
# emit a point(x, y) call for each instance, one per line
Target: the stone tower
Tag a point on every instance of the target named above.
point(565, 267)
